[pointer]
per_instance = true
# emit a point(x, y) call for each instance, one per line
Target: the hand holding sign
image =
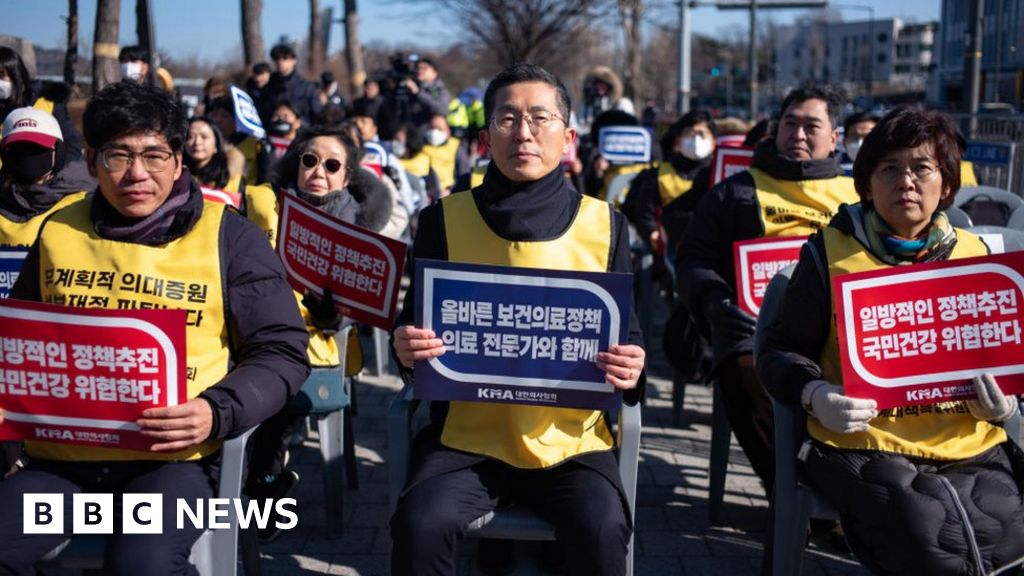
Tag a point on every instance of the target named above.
point(412, 344)
point(622, 364)
point(992, 405)
point(836, 411)
point(178, 427)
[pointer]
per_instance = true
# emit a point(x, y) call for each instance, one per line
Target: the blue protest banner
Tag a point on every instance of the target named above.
point(520, 336)
point(10, 266)
point(247, 118)
point(989, 153)
point(625, 144)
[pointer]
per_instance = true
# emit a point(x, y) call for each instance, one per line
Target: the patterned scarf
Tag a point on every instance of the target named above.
point(932, 244)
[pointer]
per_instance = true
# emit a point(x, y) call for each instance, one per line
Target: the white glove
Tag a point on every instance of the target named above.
point(992, 405)
point(835, 411)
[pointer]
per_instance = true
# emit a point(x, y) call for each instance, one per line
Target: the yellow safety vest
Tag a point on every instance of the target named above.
point(23, 234)
point(476, 176)
point(526, 436)
point(670, 184)
point(418, 165)
point(250, 148)
point(967, 177)
point(184, 273)
point(614, 171)
point(945, 431)
point(442, 160)
point(800, 207)
point(476, 115)
point(458, 116)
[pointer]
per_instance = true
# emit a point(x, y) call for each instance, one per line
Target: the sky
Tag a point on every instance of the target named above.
point(211, 29)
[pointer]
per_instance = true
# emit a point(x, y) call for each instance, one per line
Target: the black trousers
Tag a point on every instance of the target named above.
point(586, 509)
point(749, 409)
point(135, 554)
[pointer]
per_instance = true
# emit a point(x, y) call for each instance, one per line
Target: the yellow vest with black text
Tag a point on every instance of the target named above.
point(184, 273)
point(23, 234)
point(670, 184)
point(528, 437)
point(442, 160)
point(945, 431)
point(800, 207)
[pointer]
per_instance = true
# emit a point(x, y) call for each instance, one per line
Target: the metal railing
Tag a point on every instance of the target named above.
point(999, 129)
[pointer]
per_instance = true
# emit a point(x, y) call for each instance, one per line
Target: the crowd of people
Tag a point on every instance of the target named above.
point(504, 178)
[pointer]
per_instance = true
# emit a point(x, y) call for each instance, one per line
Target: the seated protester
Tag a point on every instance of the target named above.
point(597, 170)
point(676, 185)
point(284, 126)
point(206, 157)
point(135, 67)
point(18, 90)
point(147, 216)
point(933, 492)
point(362, 117)
point(35, 180)
point(793, 188)
point(408, 145)
point(247, 156)
point(447, 158)
point(856, 128)
point(558, 461)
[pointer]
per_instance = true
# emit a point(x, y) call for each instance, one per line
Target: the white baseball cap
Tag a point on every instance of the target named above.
point(31, 125)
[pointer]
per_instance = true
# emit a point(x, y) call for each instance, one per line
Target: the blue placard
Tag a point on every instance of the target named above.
point(989, 153)
point(520, 336)
point(247, 118)
point(625, 144)
point(10, 265)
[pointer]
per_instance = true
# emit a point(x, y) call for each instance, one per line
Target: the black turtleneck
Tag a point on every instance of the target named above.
point(538, 210)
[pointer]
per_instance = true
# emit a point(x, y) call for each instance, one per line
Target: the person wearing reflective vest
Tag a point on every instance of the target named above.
point(793, 188)
point(245, 352)
point(558, 461)
point(928, 489)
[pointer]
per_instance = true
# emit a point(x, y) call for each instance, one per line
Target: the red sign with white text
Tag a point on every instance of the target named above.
point(756, 262)
point(84, 375)
point(729, 161)
point(362, 268)
point(918, 335)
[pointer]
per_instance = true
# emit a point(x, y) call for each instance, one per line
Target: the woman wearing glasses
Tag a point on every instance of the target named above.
point(934, 490)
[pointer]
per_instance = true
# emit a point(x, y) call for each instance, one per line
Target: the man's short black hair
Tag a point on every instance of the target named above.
point(282, 51)
point(833, 99)
point(133, 54)
point(522, 72)
point(261, 68)
point(127, 108)
point(428, 62)
point(857, 118)
point(688, 120)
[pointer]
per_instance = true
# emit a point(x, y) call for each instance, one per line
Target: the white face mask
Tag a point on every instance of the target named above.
point(853, 148)
point(695, 147)
point(5, 89)
point(398, 148)
point(436, 137)
point(131, 70)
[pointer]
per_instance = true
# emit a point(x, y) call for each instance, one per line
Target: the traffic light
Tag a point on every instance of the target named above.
point(716, 72)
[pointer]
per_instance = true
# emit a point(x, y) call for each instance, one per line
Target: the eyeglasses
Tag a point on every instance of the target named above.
point(507, 122)
point(311, 161)
point(117, 160)
point(919, 173)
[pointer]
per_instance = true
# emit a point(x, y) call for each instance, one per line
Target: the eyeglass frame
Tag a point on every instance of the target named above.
point(321, 161)
point(133, 155)
point(519, 117)
point(903, 170)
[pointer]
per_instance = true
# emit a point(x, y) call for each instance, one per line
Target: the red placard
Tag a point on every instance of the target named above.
point(84, 375)
point(729, 161)
point(757, 261)
point(918, 335)
point(362, 268)
point(222, 196)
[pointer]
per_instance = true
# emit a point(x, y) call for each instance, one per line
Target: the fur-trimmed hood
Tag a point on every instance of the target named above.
point(375, 202)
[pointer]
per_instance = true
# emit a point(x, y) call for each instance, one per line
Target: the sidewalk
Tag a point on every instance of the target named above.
point(672, 532)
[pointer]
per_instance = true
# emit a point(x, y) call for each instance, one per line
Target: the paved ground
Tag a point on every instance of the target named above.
point(673, 536)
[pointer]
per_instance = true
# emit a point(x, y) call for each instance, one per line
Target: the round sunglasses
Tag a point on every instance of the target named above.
point(311, 161)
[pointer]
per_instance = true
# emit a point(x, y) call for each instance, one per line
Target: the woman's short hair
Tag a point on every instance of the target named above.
point(286, 171)
point(908, 127)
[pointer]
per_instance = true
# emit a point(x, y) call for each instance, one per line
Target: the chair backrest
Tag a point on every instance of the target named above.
point(774, 294)
point(960, 219)
point(988, 205)
point(1000, 239)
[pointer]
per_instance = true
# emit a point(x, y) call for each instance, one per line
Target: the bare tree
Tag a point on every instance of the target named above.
point(631, 16)
point(536, 31)
point(105, 47)
point(252, 36)
point(315, 57)
point(353, 50)
point(71, 54)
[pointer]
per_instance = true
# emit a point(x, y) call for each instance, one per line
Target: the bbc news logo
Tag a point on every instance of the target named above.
point(144, 513)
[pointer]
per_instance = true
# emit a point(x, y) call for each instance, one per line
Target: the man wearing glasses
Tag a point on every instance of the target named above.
point(246, 344)
point(558, 461)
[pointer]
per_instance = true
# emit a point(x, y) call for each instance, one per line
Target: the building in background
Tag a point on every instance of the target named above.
point(871, 60)
point(1002, 61)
